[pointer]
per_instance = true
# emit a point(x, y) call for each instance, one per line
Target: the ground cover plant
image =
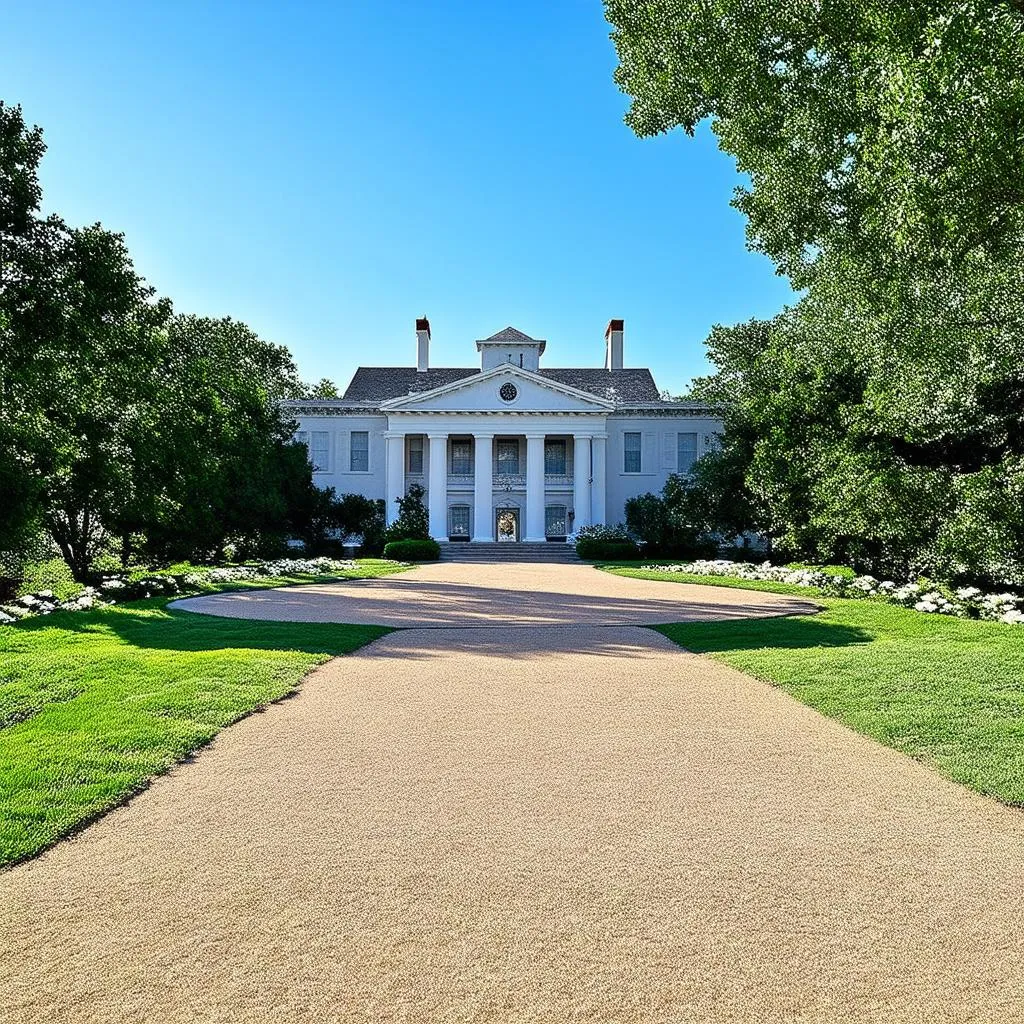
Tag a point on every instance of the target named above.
point(839, 581)
point(64, 593)
point(93, 704)
point(946, 691)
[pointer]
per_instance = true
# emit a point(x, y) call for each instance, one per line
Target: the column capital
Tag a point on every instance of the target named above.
point(438, 434)
point(599, 437)
point(391, 434)
point(483, 435)
point(535, 434)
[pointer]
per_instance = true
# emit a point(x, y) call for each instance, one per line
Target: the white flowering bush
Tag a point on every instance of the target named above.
point(127, 587)
point(967, 602)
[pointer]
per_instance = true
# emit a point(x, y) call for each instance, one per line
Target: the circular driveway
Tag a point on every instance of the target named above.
point(505, 594)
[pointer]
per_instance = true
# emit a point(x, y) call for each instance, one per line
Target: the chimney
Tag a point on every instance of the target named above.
point(423, 345)
point(613, 344)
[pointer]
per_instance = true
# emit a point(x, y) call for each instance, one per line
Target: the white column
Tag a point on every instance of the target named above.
point(483, 488)
point(534, 487)
point(394, 486)
point(581, 480)
point(438, 481)
point(599, 459)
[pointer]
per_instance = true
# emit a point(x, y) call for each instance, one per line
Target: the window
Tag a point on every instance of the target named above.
point(554, 521)
point(320, 451)
point(687, 452)
point(508, 458)
point(359, 452)
point(631, 452)
point(416, 453)
point(458, 521)
point(554, 458)
point(462, 458)
point(302, 436)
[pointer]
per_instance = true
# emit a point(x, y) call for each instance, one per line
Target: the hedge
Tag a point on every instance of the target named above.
point(413, 550)
point(612, 550)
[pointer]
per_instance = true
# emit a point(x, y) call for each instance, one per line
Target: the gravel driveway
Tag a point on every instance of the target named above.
point(555, 823)
point(498, 595)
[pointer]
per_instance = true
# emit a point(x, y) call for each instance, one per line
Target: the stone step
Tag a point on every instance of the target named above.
point(521, 552)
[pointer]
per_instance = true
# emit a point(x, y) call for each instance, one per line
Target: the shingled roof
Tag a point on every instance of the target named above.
point(381, 383)
point(509, 336)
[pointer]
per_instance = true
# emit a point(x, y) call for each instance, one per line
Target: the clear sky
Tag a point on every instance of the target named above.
point(327, 172)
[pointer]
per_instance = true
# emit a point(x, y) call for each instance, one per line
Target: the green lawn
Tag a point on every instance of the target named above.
point(949, 692)
point(94, 704)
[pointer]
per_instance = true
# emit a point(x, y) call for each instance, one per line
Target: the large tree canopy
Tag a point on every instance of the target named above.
point(863, 124)
point(880, 418)
point(119, 422)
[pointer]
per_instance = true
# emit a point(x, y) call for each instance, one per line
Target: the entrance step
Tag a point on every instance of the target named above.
point(510, 552)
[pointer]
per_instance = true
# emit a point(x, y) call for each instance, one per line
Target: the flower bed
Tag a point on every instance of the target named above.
point(966, 602)
point(133, 586)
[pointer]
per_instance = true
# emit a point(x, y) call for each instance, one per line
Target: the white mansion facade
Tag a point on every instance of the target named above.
point(506, 451)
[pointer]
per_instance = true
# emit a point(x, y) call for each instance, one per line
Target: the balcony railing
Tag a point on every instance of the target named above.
point(512, 479)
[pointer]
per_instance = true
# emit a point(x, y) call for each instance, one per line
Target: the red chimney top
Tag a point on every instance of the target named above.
point(423, 324)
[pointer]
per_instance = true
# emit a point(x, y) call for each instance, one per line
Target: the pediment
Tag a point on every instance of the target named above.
point(492, 391)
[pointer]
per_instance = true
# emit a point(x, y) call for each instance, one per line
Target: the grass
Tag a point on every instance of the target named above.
point(95, 704)
point(948, 692)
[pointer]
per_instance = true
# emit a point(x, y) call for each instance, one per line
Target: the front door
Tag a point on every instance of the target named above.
point(507, 524)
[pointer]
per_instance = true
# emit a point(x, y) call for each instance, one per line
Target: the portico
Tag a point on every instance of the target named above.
point(544, 478)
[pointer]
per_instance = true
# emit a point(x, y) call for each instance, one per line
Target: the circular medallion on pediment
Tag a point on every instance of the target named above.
point(508, 392)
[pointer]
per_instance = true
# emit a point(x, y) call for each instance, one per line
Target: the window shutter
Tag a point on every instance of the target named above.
point(342, 450)
point(668, 450)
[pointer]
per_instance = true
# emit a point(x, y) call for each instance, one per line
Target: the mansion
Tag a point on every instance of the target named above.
point(507, 450)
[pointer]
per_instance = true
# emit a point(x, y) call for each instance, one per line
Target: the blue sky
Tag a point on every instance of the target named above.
point(327, 172)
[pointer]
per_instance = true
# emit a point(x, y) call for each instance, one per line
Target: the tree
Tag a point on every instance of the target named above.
point(21, 149)
point(413, 522)
point(84, 333)
point(118, 420)
point(219, 445)
point(875, 419)
point(863, 125)
point(323, 388)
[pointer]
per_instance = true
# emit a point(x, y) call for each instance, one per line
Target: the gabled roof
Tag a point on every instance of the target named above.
point(503, 369)
point(510, 336)
point(382, 383)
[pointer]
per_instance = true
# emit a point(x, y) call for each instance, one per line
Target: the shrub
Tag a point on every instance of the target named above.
point(413, 549)
point(413, 522)
point(602, 533)
point(52, 575)
point(610, 550)
point(362, 517)
point(828, 570)
point(667, 524)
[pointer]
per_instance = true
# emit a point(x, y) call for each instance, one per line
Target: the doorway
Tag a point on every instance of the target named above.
point(506, 525)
